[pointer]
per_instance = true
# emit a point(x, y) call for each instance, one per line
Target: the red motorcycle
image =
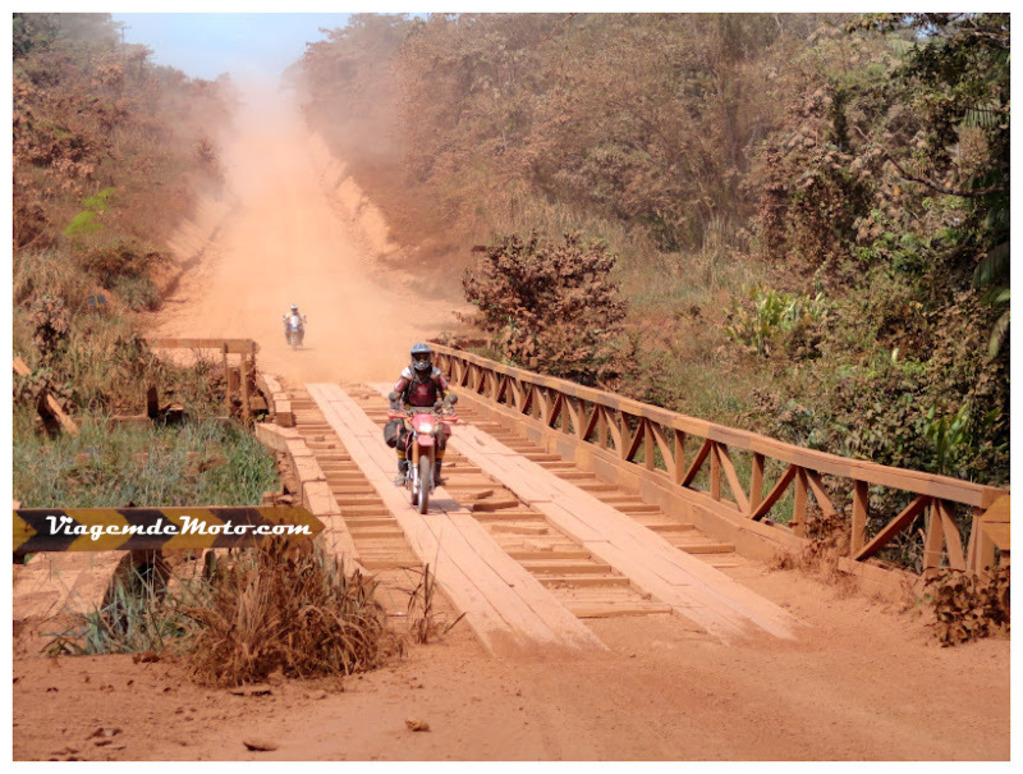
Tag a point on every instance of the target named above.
point(422, 428)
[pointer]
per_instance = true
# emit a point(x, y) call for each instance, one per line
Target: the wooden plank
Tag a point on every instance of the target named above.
point(798, 523)
point(707, 596)
point(998, 512)
point(953, 540)
point(573, 421)
point(817, 486)
point(934, 537)
point(680, 457)
point(50, 403)
point(774, 495)
point(697, 463)
point(893, 527)
point(733, 479)
point(507, 607)
point(634, 439)
point(715, 471)
point(999, 535)
point(861, 503)
point(618, 433)
point(756, 487)
point(233, 346)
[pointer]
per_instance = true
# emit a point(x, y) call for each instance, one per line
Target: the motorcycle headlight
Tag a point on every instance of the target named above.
point(426, 427)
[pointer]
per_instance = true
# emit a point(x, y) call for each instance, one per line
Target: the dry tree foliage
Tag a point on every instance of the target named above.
point(278, 609)
point(968, 607)
point(550, 305)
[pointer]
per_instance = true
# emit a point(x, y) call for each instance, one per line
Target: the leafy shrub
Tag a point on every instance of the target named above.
point(139, 293)
point(774, 313)
point(550, 305)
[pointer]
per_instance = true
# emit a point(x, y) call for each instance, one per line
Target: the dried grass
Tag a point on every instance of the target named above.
point(424, 623)
point(297, 612)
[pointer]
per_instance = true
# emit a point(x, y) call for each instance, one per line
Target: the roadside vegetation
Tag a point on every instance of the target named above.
point(111, 152)
point(243, 617)
point(805, 215)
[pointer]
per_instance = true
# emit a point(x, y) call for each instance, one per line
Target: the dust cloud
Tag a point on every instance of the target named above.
point(288, 241)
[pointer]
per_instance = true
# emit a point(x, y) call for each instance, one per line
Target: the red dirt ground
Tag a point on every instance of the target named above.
point(863, 681)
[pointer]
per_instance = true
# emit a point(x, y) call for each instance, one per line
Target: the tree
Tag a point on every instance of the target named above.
point(550, 305)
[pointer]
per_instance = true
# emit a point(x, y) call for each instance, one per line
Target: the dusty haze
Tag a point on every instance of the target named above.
point(294, 239)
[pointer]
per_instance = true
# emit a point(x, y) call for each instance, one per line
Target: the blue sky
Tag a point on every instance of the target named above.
point(205, 45)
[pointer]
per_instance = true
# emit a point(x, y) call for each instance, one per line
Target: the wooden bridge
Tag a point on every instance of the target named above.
point(566, 503)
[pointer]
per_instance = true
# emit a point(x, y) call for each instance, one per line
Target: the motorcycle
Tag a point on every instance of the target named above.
point(294, 330)
point(422, 427)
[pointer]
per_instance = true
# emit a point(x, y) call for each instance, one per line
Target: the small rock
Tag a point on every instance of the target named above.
point(105, 732)
point(276, 678)
point(260, 745)
point(415, 724)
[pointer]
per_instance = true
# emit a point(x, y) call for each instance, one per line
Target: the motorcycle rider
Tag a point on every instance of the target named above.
point(421, 385)
point(293, 317)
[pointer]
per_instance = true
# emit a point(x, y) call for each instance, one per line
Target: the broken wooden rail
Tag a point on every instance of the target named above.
point(651, 448)
point(47, 403)
point(240, 379)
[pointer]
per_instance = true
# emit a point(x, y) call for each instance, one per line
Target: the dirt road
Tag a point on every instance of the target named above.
point(862, 681)
point(287, 242)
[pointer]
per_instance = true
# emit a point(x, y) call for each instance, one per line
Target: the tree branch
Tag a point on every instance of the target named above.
point(974, 193)
point(966, 194)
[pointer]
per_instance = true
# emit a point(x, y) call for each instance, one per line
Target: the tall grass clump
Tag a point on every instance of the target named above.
point(136, 616)
point(280, 608)
point(295, 612)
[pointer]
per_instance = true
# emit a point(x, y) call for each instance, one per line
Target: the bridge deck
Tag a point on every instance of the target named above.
point(694, 589)
point(507, 608)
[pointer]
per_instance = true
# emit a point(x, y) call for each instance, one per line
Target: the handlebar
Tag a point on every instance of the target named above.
point(445, 413)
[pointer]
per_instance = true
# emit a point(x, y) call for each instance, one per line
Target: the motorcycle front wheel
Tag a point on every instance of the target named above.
point(423, 485)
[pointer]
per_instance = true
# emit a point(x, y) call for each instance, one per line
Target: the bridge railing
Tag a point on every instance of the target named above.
point(661, 443)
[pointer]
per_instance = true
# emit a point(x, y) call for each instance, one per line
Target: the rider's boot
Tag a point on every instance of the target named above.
point(399, 480)
point(438, 479)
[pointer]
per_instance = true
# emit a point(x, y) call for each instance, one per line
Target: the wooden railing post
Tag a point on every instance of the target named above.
point(861, 501)
point(680, 457)
point(648, 445)
point(798, 523)
point(246, 367)
point(934, 538)
point(756, 487)
point(602, 430)
point(227, 381)
point(715, 472)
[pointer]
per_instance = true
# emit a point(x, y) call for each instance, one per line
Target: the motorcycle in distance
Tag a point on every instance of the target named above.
point(294, 330)
point(423, 425)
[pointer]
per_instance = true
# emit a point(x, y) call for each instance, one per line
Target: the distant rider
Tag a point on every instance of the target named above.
point(294, 319)
point(421, 385)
